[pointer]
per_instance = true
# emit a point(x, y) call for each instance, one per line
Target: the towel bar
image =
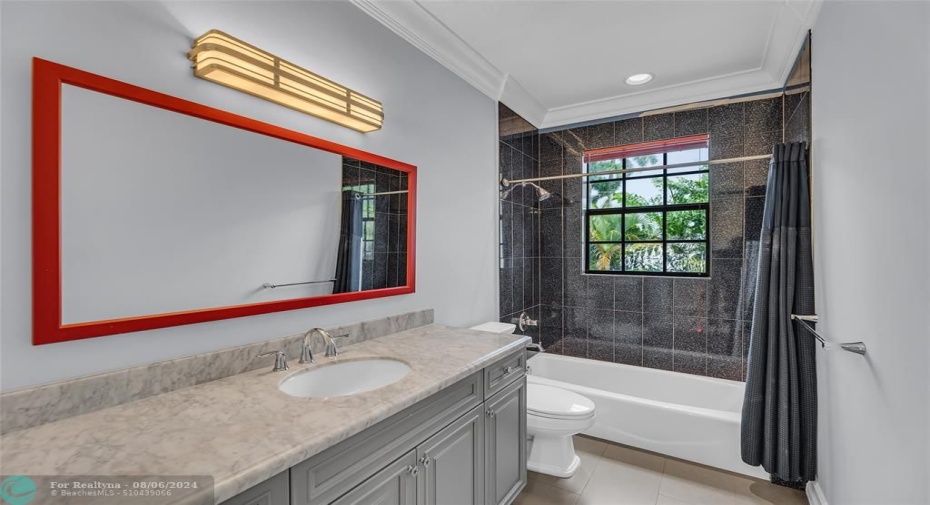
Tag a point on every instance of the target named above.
point(269, 285)
point(856, 347)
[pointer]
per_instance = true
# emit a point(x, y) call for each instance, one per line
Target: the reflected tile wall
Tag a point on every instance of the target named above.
point(387, 266)
point(697, 326)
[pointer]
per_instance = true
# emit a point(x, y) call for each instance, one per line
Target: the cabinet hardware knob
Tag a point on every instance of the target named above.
point(425, 461)
point(413, 470)
point(508, 370)
point(490, 413)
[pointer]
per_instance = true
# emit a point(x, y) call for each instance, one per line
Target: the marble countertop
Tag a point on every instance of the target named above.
point(242, 429)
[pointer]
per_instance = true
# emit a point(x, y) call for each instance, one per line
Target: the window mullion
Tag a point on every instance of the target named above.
point(665, 214)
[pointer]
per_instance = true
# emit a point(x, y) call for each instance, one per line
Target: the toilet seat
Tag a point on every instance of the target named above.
point(555, 403)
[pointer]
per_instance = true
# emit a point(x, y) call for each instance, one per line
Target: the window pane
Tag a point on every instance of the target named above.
point(603, 166)
point(688, 189)
point(650, 160)
point(643, 226)
point(644, 192)
point(686, 225)
point(605, 195)
point(604, 257)
point(604, 228)
point(644, 257)
point(368, 230)
point(688, 156)
point(688, 257)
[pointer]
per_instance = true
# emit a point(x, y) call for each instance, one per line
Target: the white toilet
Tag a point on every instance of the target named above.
point(553, 416)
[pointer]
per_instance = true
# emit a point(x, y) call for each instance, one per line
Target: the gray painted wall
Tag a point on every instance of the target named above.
point(871, 169)
point(433, 120)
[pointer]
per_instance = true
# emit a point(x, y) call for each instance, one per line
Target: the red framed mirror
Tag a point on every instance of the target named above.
point(151, 211)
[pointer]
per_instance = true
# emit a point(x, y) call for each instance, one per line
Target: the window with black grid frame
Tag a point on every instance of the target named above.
point(653, 220)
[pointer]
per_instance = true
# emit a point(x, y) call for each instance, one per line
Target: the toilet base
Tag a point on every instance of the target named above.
point(553, 456)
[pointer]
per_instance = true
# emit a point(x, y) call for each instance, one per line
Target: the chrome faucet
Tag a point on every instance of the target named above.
point(306, 356)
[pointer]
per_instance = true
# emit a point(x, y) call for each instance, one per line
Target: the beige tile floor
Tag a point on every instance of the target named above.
point(612, 474)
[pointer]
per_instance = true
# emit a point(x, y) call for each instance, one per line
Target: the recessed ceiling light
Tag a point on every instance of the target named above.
point(638, 79)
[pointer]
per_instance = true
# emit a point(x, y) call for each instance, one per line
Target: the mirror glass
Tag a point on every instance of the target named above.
point(164, 212)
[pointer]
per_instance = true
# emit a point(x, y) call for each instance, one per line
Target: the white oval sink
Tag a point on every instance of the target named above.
point(345, 378)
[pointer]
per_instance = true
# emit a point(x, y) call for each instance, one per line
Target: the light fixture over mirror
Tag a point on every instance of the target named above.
point(226, 60)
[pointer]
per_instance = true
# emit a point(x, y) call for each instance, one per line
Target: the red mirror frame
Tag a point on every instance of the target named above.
point(47, 80)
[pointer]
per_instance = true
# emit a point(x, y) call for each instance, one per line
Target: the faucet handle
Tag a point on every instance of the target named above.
point(280, 360)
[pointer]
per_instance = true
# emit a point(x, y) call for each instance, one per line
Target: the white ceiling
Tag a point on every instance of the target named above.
point(564, 62)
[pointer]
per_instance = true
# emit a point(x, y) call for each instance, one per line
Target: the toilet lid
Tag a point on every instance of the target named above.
point(553, 402)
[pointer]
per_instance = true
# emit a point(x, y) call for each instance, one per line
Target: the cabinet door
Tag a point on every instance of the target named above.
point(396, 484)
point(273, 491)
point(452, 463)
point(505, 447)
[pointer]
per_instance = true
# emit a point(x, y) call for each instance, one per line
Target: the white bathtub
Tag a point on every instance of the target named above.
point(684, 416)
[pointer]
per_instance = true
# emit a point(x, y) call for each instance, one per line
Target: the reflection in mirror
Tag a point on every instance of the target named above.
point(372, 252)
point(165, 212)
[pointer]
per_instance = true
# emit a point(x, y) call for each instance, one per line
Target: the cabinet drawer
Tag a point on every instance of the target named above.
point(330, 474)
point(502, 373)
point(394, 485)
point(273, 491)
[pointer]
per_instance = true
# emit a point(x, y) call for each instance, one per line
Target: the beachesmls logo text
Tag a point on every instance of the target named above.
point(17, 490)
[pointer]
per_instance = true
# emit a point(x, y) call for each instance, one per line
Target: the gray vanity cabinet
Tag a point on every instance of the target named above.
point(505, 443)
point(452, 464)
point(394, 485)
point(274, 491)
point(464, 445)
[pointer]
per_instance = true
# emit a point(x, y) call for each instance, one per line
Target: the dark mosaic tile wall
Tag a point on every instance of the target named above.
point(387, 268)
point(519, 226)
point(696, 326)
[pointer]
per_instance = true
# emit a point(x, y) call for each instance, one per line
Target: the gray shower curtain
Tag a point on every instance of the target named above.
point(349, 249)
point(779, 423)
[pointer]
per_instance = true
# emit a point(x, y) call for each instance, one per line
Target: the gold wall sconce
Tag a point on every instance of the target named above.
point(226, 60)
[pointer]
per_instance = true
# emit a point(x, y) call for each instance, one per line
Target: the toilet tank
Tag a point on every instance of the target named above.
point(495, 327)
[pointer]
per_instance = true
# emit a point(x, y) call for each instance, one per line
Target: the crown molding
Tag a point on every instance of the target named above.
point(751, 81)
point(522, 102)
point(412, 22)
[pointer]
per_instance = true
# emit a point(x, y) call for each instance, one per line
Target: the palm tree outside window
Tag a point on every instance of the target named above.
point(649, 222)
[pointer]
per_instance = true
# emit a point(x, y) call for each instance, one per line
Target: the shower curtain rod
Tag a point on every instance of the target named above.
point(507, 182)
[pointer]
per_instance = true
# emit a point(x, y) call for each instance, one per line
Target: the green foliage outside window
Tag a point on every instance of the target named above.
point(650, 221)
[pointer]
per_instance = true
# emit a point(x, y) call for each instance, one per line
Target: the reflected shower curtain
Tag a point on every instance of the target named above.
point(349, 252)
point(779, 423)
